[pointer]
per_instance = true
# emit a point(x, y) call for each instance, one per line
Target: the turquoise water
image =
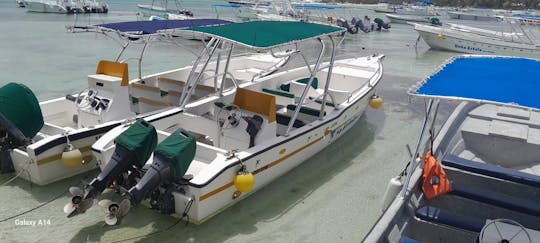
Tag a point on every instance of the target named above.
point(333, 197)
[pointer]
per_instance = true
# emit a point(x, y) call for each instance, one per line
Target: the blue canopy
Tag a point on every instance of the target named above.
point(152, 27)
point(491, 79)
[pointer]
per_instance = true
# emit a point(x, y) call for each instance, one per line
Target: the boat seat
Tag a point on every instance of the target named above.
point(497, 199)
point(169, 84)
point(437, 215)
point(305, 113)
point(451, 160)
point(284, 120)
point(282, 97)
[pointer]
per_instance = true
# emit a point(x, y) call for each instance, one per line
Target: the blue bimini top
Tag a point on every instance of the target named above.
point(489, 79)
point(152, 27)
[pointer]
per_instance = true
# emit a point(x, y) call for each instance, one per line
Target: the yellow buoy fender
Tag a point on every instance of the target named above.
point(244, 181)
point(440, 36)
point(375, 102)
point(72, 158)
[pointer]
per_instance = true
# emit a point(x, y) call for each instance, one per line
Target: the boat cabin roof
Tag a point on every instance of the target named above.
point(264, 35)
point(152, 27)
point(488, 79)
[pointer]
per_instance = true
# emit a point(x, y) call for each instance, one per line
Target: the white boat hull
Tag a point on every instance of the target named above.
point(212, 186)
point(441, 40)
point(42, 7)
point(467, 16)
point(403, 19)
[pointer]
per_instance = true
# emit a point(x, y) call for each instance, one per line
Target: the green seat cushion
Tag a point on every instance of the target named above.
point(278, 92)
point(314, 84)
point(141, 139)
point(179, 148)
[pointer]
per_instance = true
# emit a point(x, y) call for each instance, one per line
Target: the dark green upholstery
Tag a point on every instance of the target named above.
point(19, 105)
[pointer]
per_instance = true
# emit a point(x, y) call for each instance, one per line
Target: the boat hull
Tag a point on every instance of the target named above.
point(41, 7)
point(466, 16)
point(216, 196)
point(403, 19)
point(444, 41)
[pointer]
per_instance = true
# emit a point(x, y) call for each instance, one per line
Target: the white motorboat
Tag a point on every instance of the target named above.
point(218, 150)
point(472, 40)
point(66, 6)
point(479, 180)
point(404, 19)
point(58, 145)
point(472, 16)
point(163, 10)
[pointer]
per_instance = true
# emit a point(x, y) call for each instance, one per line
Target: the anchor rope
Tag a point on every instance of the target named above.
point(184, 214)
point(34, 208)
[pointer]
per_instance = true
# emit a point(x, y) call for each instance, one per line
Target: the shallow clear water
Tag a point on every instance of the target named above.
point(333, 197)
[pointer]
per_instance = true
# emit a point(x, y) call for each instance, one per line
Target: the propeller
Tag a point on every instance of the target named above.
point(116, 211)
point(77, 205)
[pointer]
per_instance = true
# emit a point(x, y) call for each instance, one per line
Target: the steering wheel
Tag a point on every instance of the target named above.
point(86, 98)
point(504, 231)
point(232, 118)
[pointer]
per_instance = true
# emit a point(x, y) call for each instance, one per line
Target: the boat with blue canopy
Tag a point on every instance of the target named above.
point(243, 137)
point(50, 140)
point(476, 178)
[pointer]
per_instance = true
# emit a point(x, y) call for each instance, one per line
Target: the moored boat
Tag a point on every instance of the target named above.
point(58, 146)
point(472, 40)
point(233, 144)
point(475, 180)
point(472, 16)
point(404, 19)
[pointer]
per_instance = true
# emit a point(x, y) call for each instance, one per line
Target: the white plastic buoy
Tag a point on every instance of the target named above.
point(392, 189)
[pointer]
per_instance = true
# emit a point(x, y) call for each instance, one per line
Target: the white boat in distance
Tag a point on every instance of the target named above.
point(404, 19)
point(477, 180)
point(465, 39)
point(58, 147)
point(230, 145)
point(66, 6)
point(472, 16)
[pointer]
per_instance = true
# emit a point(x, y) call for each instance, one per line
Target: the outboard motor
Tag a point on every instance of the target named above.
point(359, 25)
point(345, 24)
point(381, 24)
point(20, 121)
point(172, 158)
point(133, 148)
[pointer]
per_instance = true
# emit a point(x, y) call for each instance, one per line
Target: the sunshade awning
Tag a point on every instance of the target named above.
point(152, 27)
point(267, 34)
point(490, 79)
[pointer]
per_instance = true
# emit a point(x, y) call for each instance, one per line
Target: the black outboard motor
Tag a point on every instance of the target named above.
point(133, 148)
point(172, 158)
point(381, 24)
point(20, 121)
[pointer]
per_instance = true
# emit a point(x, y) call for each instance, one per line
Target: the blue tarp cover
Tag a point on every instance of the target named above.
point(491, 79)
point(151, 27)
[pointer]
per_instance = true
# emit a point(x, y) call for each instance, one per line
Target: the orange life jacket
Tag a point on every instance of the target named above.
point(435, 182)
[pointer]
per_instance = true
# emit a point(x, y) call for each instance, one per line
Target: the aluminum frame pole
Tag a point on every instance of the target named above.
point(412, 164)
point(328, 78)
point(308, 85)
